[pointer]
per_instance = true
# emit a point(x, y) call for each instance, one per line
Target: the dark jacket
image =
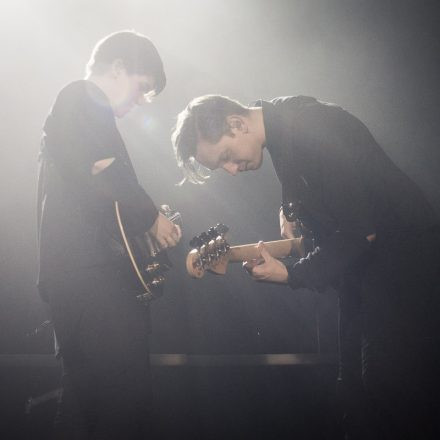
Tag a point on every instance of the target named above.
point(343, 185)
point(76, 216)
point(344, 188)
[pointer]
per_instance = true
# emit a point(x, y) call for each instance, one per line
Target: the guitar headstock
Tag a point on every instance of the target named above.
point(209, 252)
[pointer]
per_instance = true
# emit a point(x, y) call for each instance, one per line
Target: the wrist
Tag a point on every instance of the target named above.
point(282, 275)
point(292, 279)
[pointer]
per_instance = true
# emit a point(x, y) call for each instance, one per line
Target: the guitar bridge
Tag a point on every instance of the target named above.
point(151, 268)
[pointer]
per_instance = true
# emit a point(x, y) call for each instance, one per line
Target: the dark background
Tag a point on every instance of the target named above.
point(378, 59)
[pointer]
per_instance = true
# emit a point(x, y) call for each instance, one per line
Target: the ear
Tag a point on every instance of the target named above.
point(237, 124)
point(117, 67)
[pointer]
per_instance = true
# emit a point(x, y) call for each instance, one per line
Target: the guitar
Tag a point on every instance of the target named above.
point(147, 263)
point(210, 251)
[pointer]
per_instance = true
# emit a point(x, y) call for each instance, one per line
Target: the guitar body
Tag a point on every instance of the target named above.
point(144, 264)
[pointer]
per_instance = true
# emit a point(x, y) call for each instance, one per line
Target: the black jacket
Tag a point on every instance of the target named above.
point(342, 184)
point(76, 209)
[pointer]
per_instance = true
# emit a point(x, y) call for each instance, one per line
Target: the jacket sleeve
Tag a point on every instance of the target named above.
point(81, 131)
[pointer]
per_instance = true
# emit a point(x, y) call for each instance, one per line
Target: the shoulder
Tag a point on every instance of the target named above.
point(307, 105)
point(81, 97)
point(71, 94)
point(302, 111)
point(294, 101)
point(316, 115)
point(81, 93)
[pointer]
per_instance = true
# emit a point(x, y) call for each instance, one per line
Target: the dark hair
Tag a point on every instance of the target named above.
point(203, 118)
point(136, 51)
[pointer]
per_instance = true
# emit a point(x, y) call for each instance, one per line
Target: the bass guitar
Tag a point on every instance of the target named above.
point(211, 251)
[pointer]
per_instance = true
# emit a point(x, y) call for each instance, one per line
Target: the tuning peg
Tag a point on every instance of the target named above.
point(212, 232)
point(195, 243)
point(221, 229)
point(221, 245)
point(204, 237)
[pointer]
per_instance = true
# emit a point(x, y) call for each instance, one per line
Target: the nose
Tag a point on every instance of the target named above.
point(231, 168)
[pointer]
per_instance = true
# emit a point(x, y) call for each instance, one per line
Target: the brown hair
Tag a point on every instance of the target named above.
point(203, 118)
point(136, 51)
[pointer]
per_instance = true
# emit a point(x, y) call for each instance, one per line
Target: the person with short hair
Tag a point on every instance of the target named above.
point(375, 238)
point(101, 328)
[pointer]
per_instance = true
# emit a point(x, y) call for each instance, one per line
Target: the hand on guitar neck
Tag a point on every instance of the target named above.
point(210, 251)
point(265, 267)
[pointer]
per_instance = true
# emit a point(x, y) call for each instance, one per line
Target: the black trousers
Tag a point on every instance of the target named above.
point(390, 340)
point(102, 332)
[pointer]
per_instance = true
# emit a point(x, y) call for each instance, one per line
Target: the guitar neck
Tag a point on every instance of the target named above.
point(278, 249)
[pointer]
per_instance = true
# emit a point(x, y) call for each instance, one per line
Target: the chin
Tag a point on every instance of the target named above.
point(257, 165)
point(122, 110)
point(121, 113)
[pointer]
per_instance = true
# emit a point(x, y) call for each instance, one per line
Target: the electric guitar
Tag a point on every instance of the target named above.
point(210, 251)
point(145, 263)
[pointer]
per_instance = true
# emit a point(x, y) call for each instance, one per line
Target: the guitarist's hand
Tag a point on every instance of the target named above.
point(266, 268)
point(287, 228)
point(165, 232)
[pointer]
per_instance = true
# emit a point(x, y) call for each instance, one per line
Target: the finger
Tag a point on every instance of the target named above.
point(263, 251)
point(162, 243)
point(178, 232)
point(259, 272)
point(287, 229)
point(171, 242)
point(252, 263)
point(247, 267)
point(287, 233)
point(251, 266)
